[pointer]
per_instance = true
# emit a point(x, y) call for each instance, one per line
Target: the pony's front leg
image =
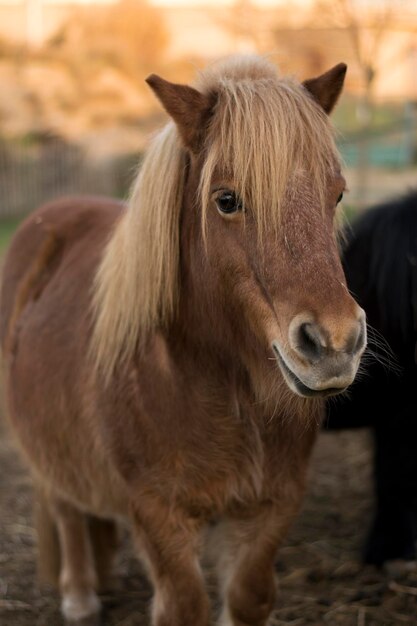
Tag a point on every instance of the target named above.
point(169, 542)
point(246, 566)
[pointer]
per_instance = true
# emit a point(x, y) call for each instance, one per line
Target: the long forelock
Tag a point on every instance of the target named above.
point(265, 135)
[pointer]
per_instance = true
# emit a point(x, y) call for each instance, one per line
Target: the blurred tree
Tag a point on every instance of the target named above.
point(366, 24)
point(34, 23)
point(244, 25)
point(129, 35)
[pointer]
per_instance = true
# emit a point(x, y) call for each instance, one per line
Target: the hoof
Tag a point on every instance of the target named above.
point(81, 609)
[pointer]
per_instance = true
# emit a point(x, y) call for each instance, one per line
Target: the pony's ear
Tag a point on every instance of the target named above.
point(189, 109)
point(327, 88)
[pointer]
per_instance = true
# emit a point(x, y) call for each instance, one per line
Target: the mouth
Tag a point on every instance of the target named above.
point(298, 386)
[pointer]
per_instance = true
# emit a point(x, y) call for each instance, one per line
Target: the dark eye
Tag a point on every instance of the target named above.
point(340, 198)
point(228, 202)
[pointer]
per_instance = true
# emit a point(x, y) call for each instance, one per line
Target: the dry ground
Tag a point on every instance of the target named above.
point(321, 580)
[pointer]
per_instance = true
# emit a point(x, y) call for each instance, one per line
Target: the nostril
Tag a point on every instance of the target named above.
point(309, 341)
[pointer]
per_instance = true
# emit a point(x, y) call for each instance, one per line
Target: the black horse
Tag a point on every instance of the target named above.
point(380, 261)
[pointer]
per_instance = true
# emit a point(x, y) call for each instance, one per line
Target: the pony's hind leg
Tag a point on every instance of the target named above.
point(105, 540)
point(77, 579)
point(49, 558)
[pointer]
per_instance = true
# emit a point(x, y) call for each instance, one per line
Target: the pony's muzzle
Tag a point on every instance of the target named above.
point(322, 358)
point(315, 342)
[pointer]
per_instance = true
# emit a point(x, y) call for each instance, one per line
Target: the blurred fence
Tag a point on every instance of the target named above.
point(392, 146)
point(381, 162)
point(34, 172)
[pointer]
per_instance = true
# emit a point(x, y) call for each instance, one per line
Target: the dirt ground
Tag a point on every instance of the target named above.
point(321, 579)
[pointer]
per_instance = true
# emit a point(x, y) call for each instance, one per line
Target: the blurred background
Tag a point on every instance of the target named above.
point(75, 117)
point(75, 112)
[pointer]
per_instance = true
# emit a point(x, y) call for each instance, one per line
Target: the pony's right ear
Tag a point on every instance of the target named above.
point(189, 109)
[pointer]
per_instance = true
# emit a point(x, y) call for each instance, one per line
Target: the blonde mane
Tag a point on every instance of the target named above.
point(265, 131)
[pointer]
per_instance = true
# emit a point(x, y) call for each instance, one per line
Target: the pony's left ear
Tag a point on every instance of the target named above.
point(189, 108)
point(327, 88)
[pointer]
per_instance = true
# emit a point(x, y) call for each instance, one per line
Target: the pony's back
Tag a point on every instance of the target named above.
point(41, 244)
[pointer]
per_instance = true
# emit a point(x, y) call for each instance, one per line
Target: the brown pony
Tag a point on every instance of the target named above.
point(166, 362)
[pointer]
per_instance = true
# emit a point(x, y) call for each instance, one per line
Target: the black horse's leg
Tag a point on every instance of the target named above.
point(393, 533)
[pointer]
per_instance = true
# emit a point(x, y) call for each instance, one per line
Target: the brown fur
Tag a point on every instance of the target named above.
point(32, 283)
point(188, 419)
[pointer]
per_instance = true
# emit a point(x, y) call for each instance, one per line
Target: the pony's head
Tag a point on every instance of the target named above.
point(245, 184)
